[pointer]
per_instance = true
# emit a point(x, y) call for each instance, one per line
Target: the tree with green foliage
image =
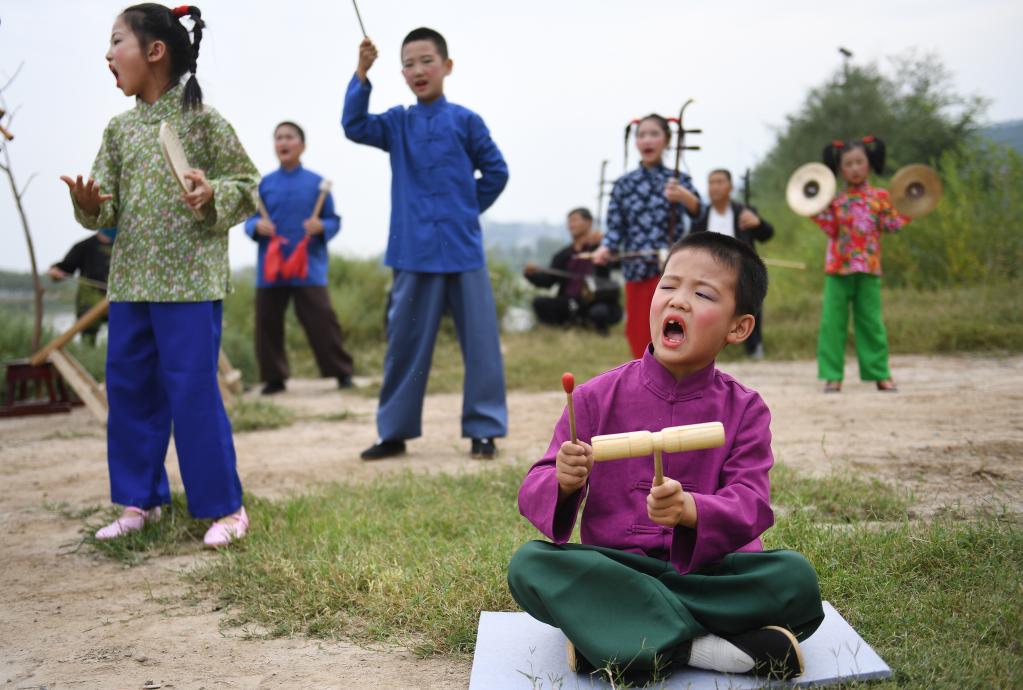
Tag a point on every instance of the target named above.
point(912, 106)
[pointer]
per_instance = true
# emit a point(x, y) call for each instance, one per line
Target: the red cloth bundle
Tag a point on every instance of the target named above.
point(273, 262)
point(297, 265)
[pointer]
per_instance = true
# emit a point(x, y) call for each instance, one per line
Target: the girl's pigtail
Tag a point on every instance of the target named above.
point(191, 97)
point(832, 154)
point(628, 130)
point(875, 153)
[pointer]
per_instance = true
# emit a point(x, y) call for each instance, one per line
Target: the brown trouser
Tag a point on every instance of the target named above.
point(315, 313)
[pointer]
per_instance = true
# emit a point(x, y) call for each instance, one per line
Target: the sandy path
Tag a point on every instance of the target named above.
point(953, 434)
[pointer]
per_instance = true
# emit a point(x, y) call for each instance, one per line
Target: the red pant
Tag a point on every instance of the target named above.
point(638, 296)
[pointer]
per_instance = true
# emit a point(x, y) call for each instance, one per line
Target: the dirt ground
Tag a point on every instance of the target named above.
point(953, 435)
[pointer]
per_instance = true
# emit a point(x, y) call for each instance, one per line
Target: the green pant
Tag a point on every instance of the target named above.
point(863, 290)
point(623, 608)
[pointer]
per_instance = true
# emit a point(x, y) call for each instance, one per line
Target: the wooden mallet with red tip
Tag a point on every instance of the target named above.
point(568, 383)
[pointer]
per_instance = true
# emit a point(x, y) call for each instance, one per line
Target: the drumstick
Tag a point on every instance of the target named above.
point(568, 383)
point(359, 17)
point(658, 468)
point(324, 191)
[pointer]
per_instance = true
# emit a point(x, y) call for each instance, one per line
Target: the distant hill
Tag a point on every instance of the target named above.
point(520, 235)
point(517, 243)
point(1009, 133)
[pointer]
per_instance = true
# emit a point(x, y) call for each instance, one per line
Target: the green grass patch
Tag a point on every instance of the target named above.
point(941, 602)
point(837, 497)
point(257, 415)
point(393, 561)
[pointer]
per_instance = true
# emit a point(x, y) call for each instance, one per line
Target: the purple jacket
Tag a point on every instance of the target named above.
point(729, 484)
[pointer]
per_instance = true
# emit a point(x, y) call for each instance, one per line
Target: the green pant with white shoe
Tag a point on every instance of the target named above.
point(626, 609)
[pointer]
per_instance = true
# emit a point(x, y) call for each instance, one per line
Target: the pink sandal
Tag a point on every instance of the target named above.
point(227, 529)
point(132, 520)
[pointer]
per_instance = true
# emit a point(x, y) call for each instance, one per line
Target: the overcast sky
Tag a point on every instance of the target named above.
point(555, 80)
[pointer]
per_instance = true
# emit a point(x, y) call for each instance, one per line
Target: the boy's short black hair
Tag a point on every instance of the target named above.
point(289, 123)
point(425, 34)
point(582, 212)
point(721, 171)
point(750, 271)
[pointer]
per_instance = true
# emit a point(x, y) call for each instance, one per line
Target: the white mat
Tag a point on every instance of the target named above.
point(512, 648)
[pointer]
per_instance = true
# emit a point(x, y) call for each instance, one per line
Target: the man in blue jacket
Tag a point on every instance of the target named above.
point(289, 196)
point(435, 244)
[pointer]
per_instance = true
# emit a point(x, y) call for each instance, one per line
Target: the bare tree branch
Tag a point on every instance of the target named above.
point(12, 77)
point(10, 115)
point(27, 183)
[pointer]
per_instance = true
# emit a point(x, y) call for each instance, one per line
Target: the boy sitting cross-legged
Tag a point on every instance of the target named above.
point(674, 574)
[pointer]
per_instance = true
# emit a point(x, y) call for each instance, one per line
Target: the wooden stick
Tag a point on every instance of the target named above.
point(82, 383)
point(783, 263)
point(658, 468)
point(3, 130)
point(321, 199)
point(88, 318)
point(673, 439)
point(359, 17)
point(568, 383)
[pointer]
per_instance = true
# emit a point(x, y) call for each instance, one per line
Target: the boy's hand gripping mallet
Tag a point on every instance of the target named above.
point(672, 439)
point(568, 383)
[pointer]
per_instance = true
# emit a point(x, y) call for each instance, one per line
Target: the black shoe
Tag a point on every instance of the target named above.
point(344, 381)
point(272, 387)
point(483, 449)
point(775, 652)
point(383, 449)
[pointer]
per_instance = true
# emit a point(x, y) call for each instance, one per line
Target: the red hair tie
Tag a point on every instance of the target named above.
point(673, 119)
point(181, 11)
point(838, 143)
point(869, 139)
point(635, 122)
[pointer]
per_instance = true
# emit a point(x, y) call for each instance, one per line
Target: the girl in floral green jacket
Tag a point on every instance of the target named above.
point(168, 275)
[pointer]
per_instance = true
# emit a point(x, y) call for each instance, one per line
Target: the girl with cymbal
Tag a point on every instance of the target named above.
point(853, 223)
point(168, 275)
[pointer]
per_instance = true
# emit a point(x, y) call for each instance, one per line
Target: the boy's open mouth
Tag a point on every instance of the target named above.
point(673, 332)
point(647, 151)
point(420, 83)
point(114, 71)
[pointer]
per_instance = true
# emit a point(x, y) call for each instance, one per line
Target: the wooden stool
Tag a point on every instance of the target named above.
point(34, 389)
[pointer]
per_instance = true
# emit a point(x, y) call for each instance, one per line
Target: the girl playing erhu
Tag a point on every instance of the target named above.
point(168, 276)
point(637, 221)
point(853, 223)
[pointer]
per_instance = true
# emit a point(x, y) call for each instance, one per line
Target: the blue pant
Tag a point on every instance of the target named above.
point(162, 373)
point(418, 300)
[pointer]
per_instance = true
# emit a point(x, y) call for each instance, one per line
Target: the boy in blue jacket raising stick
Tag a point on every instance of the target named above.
point(435, 244)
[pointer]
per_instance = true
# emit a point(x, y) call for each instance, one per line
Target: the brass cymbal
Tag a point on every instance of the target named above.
point(915, 190)
point(810, 189)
